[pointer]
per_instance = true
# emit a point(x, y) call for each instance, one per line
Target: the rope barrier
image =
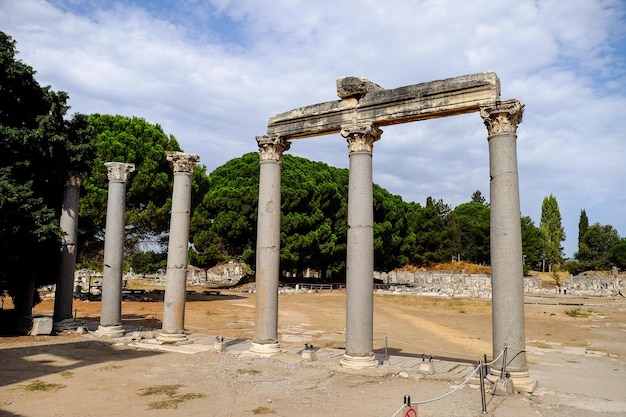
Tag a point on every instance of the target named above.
point(495, 359)
point(467, 378)
point(461, 385)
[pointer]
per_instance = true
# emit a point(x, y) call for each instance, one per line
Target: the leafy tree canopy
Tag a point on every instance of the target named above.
point(39, 148)
point(149, 187)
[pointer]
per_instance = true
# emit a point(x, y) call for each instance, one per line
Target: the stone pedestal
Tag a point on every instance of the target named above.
point(35, 325)
point(427, 368)
point(360, 248)
point(111, 310)
point(176, 275)
point(64, 293)
point(309, 355)
point(268, 245)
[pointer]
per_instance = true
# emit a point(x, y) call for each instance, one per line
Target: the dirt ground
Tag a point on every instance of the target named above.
point(576, 349)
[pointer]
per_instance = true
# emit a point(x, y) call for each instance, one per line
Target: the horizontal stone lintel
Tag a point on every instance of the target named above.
point(411, 103)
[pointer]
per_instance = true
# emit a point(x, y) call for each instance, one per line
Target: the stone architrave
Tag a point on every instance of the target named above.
point(111, 309)
point(265, 340)
point(501, 119)
point(176, 275)
point(64, 294)
point(360, 248)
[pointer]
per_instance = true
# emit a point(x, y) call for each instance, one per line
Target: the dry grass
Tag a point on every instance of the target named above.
point(38, 385)
point(170, 391)
point(451, 304)
point(263, 410)
point(456, 267)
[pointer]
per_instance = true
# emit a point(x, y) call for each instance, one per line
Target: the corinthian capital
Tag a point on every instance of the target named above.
point(183, 162)
point(272, 148)
point(502, 116)
point(118, 171)
point(361, 137)
point(75, 179)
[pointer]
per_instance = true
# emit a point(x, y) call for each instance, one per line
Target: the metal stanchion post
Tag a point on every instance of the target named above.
point(482, 386)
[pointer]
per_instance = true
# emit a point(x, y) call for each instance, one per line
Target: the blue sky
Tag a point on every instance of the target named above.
point(211, 73)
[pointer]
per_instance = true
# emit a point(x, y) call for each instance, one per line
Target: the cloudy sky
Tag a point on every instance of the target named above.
point(211, 73)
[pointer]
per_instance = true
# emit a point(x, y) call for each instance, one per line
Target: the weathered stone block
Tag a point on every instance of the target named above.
point(35, 325)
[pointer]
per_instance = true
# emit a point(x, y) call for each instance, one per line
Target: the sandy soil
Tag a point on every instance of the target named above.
point(579, 360)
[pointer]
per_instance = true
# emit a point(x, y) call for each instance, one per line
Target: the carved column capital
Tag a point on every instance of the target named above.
point(502, 116)
point(272, 148)
point(118, 171)
point(75, 179)
point(361, 137)
point(183, 162)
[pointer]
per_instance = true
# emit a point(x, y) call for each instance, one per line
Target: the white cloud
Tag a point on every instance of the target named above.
point(211, 72)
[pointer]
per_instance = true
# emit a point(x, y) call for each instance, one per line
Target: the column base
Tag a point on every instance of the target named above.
point(110, 331)
point(66, 325)
point(172, 338)
point(521, 380)
point(358, 362)
point(267, 350)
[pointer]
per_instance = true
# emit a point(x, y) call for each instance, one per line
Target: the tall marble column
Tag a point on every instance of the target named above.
point(265, 340)
point(64, 294)
point(111, 309)
point(501, 119)
point(360, 250)
point(176, 275)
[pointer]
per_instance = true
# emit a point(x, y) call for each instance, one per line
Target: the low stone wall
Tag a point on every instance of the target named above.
point(595, 284)
point(451, 284)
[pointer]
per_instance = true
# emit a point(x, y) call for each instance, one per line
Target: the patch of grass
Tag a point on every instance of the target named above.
point(168, 390)
point(109, 367)
point(473, 306)
point(248, 371)
point(263, 410)
point(174, 401)
point(38, 385)
point(577, 312)
point(172, 392)
point(66, 374)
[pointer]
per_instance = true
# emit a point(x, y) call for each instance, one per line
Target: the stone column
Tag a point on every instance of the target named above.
point(501, 120)
point(360, 251)
point(111, 309)
point(64, 294)
point(176, 275)
point(265, 340)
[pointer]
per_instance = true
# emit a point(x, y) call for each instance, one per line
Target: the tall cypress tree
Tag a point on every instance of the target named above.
point(583, 225)
point(551, 231)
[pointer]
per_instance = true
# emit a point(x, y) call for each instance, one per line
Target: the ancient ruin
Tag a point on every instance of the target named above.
point(176, 275)
point(111, 313)
point(364, 107)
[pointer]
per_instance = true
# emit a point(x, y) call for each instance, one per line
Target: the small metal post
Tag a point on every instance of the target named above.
point(407, 400)
point(386, 351)
point(503, 371)
point(482, 386)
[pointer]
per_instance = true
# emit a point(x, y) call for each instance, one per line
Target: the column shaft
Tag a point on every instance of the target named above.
point(64, 294)
point(360, 248)
point(507, 282)
point(268, 241)
point(176, 274)
point(111, 309)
